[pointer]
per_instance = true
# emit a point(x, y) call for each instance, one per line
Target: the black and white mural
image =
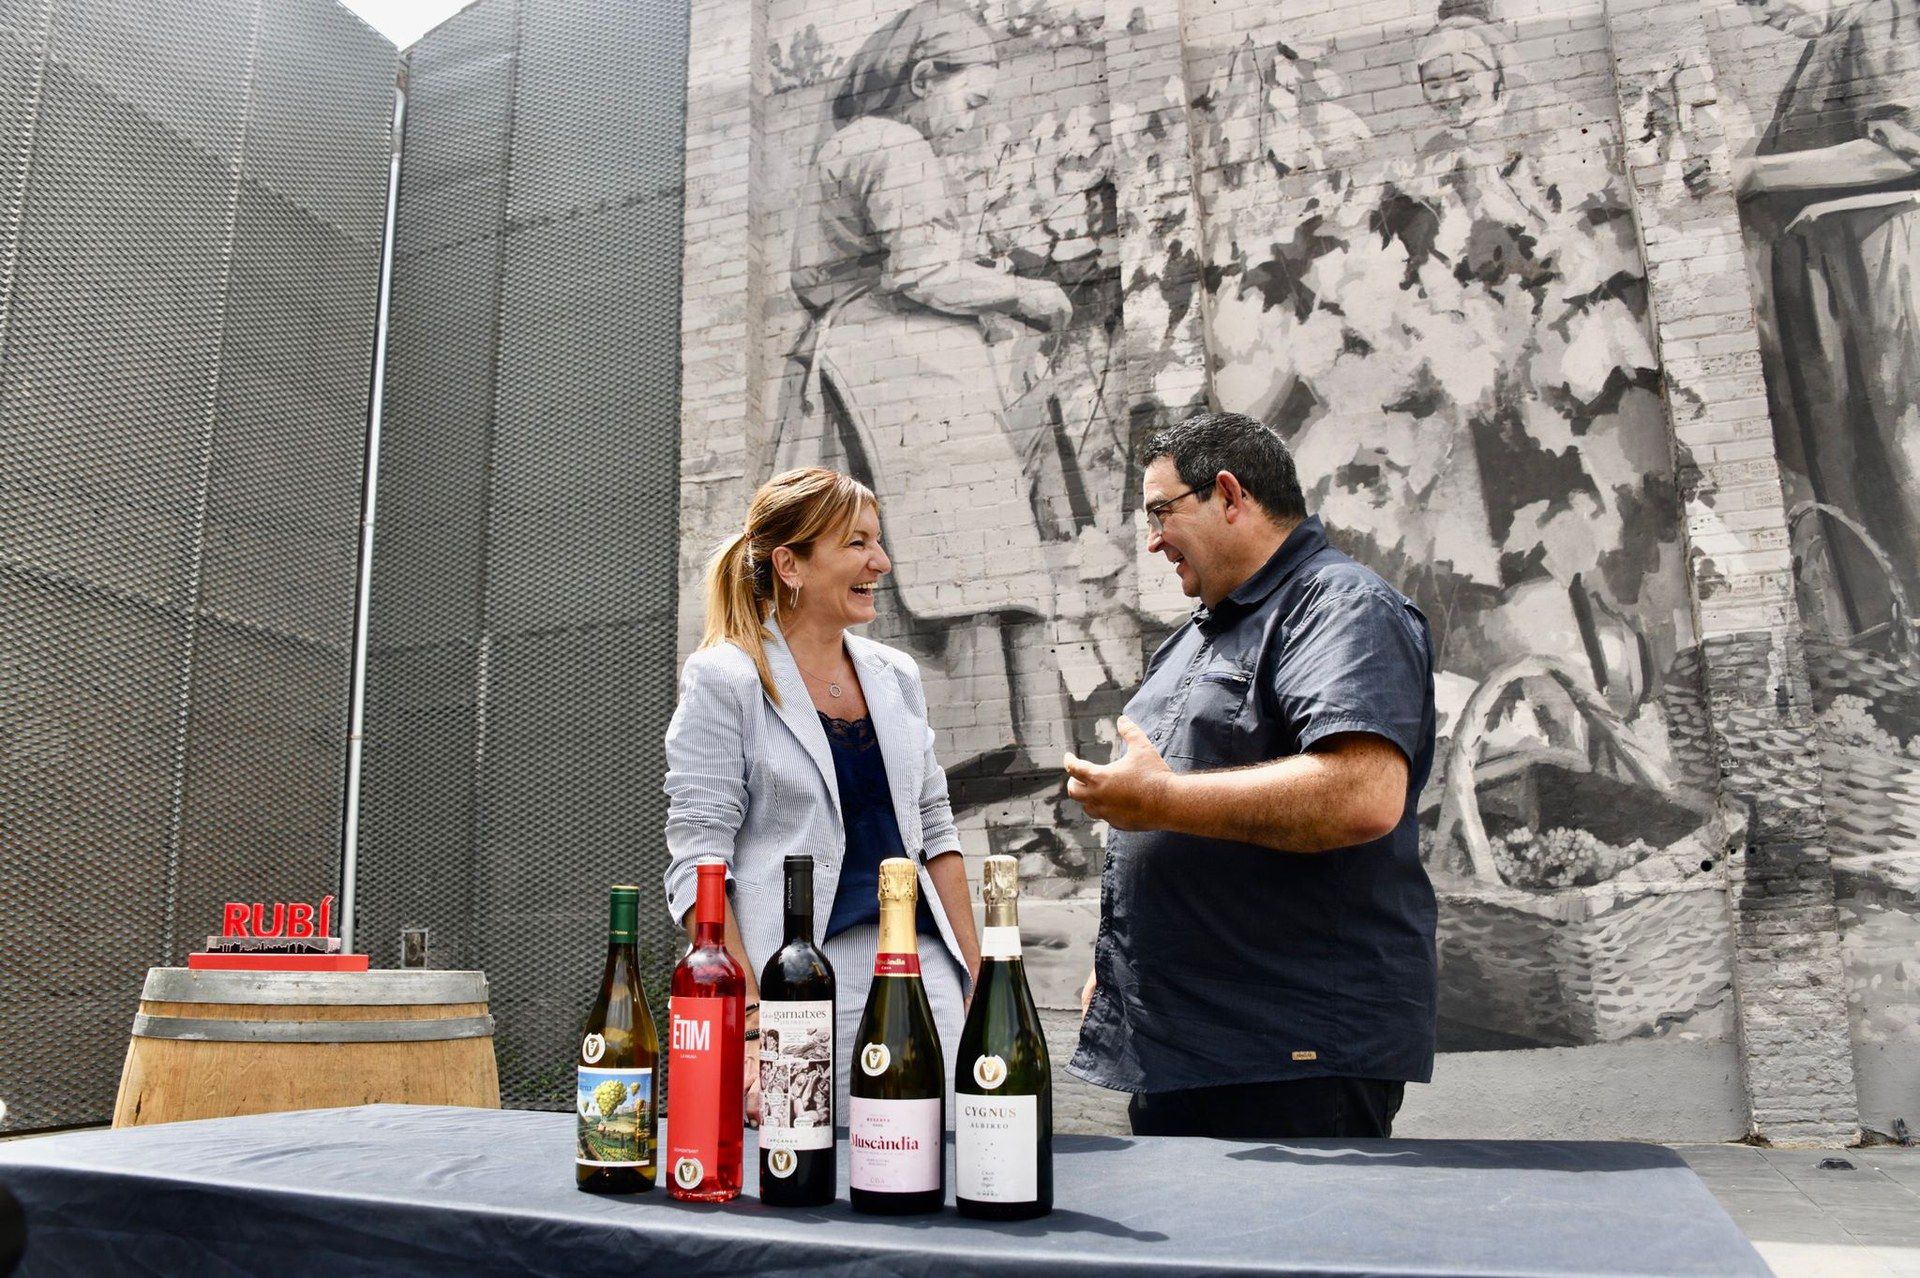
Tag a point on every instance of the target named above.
point(946, 331)
point(1436, 295)
point(1414, 258)
point(1828, 96)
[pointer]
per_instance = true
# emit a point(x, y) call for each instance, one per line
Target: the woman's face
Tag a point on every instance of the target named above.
point(1803, 18)
point(1461, 89)
point(948, 104)
point(838, 578)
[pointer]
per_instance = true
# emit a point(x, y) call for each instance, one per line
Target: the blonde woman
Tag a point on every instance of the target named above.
point(795, 736)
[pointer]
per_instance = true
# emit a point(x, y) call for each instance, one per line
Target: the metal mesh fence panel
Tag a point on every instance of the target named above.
point(522, 671)
point(190, 223)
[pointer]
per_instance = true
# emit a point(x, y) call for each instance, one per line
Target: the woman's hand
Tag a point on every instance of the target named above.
point(1045, 305)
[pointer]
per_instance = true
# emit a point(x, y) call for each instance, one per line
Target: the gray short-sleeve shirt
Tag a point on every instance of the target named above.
point(1222, 962)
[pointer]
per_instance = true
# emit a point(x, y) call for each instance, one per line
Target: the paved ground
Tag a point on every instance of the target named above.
point(1810, 1222)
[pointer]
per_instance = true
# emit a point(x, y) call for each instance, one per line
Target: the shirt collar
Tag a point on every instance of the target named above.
point(1308, 538)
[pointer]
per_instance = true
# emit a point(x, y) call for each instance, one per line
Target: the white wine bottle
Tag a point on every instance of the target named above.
point(614, 1145)
point(898, 1091)
point(1003, 1082)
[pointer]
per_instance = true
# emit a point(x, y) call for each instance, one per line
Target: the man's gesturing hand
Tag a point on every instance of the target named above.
point(1131, 792)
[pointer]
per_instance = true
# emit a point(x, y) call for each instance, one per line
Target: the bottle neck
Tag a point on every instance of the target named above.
point(799, 904)
point(899, 949)
point(710, 911)
point(623, 924)
point(1000, 938)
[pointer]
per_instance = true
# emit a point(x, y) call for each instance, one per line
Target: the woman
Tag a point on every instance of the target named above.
point(794, 736)
point(899, 380)
point(1568, 431)
point(1834, 192)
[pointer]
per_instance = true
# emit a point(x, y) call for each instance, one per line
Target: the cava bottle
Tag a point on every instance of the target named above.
point(1002, 1082)
point(898, 1088)
point(619, 1050)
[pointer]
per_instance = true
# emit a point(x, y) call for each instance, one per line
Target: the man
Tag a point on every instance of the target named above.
point(1264, 967)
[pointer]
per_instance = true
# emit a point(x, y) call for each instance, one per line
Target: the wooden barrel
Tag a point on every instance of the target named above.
point(219, 1043)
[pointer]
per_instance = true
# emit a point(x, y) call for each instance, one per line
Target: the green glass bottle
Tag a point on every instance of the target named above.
point(897, 1091)
point(617, 1120)
point(1003, 1082)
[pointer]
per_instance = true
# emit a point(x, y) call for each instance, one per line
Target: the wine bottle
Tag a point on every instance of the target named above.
point(706, 1054)
point(897, 1090)
point(614, 1143)
point(796, 1059)
point(1003, 1082)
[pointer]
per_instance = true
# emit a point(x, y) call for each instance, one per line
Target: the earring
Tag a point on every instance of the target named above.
point(796, 596)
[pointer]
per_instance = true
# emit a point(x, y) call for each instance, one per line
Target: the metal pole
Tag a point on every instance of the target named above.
point(357, 713)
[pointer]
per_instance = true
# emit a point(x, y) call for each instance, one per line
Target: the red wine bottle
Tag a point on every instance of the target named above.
point(705, 1055)
point(797, 1154)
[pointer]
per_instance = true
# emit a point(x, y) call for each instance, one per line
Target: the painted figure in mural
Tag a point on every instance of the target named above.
point(1267, 966)
point(1834, 192)
point(900, 379)
point(782, 700)
point(1456, 346)
point(1568, 434)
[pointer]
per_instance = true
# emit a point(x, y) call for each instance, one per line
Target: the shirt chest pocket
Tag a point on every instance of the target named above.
point(1215, 724)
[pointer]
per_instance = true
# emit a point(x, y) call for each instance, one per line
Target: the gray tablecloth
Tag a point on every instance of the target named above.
point(397, 1189)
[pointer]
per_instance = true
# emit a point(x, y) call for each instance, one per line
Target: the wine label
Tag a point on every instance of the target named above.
point(999, 942)
point(996, 1148)
point(615, 1112)
point(796, 1077)
point(885, 964)
point(697, 1108)
point(896, 1145)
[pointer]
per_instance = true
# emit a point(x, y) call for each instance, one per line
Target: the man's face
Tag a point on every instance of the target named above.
point(1192, 531)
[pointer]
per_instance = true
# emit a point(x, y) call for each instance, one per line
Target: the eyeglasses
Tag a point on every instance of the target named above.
point(1159, 508)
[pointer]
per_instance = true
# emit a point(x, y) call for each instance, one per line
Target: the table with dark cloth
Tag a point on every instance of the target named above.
point(399, 1189)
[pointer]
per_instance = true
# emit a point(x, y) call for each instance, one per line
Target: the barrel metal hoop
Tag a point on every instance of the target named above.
point(196, 1029)
point(333, 989)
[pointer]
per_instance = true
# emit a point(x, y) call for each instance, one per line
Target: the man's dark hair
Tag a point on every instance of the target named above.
point(1208, 443)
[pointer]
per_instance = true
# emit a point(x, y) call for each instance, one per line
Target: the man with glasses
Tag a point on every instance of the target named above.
point(1264, 967)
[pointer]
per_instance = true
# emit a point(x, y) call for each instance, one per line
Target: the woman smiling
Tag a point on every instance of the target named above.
point(793, 736)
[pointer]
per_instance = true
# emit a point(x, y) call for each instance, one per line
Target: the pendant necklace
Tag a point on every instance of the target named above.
point(833, 689)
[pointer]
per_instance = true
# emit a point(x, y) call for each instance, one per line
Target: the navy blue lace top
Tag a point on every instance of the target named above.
point(873, 832)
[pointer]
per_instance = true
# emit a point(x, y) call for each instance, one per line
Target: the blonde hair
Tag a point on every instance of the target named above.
point(793, 509)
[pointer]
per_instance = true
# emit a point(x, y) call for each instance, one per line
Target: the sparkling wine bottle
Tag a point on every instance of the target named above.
point(898, 1091)
point(1002, 1083)
point(796, 1059)
point(619, 1049)
point(705, 1055)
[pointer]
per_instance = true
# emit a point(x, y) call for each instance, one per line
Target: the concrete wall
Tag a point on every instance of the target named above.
point(1485, 268)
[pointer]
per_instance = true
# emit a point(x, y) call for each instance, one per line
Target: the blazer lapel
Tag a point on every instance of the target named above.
point(797, 712)
point(901, 737)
